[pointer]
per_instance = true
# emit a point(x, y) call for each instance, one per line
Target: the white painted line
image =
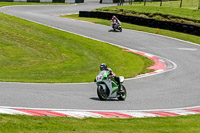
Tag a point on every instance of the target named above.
point(139, 114)
point(159, 71)
point(161, 60)
point(187, 49)
point(80, 114)
point(182, 112)
point(149, 55)
point(6, 111)
point(11, 111)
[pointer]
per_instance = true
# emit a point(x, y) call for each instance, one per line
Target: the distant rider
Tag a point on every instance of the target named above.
point(115, 22)
point(103, 66)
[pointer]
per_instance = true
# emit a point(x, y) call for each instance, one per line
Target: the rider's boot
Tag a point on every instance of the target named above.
point(119, 90)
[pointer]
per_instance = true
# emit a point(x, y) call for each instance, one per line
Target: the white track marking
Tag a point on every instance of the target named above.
point(182, 112)
point(187, 49)
point(11, 111)
point(80, 114)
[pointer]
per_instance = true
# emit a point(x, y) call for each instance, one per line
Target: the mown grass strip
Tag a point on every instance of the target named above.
point(33, 124)
point(30, 52)
point(178, 35)
point(187, 4)
point(136, 10)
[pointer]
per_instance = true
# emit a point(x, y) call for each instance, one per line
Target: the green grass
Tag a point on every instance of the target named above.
point(182, 36)
point(30, 52)
point(36, 124)
point(28, 3)
point(133, 9)
point(188, 4)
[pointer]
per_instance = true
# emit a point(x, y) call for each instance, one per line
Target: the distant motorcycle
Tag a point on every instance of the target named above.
point(117, 27)
point(116, 24)
point(107, 86)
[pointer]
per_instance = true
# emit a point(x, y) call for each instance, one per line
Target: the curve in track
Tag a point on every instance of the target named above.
point(175, 89)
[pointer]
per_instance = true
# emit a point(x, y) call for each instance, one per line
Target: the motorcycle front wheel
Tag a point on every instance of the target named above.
point(123, 94)
point(102, 94)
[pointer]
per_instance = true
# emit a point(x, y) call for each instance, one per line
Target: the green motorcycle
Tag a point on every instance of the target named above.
point(107, 87)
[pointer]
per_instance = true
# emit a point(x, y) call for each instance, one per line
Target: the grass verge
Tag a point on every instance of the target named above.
point(187, 4)
point(178, 35)
point(30, 52)
point(33, 124)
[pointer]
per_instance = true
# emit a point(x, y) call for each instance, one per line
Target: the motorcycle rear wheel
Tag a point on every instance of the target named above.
point(123, 94)
point(101, 93)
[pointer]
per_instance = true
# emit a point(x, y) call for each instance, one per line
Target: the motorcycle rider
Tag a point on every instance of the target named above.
point(103, 66)
point(115, 22)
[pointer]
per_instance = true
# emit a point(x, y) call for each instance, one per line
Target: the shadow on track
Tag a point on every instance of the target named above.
point(113, 31)
point(97, 99)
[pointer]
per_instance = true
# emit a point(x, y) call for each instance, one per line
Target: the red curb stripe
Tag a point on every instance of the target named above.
point(41, 112)
point(158, 64)
point(162, 113)
point(197, 110)
point(113, 114)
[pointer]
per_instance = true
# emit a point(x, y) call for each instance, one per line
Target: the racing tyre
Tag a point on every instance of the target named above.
point(123, 94)
point(102, 94)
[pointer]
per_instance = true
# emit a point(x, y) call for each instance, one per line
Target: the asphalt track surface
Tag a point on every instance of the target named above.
point(174, 89)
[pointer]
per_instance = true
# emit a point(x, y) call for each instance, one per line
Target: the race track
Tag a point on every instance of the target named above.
point(174, 89)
